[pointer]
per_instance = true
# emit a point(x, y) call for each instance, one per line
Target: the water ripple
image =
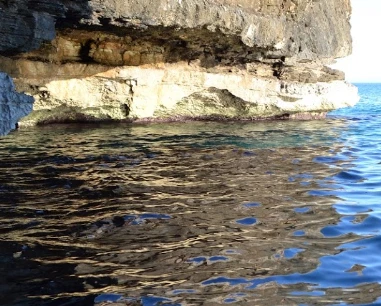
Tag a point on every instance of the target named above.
point(272, 213)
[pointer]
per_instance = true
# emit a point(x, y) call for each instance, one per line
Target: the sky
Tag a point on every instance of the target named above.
point(364, 65)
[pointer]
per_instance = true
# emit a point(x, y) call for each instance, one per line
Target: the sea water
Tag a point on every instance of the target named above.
point(197, 213)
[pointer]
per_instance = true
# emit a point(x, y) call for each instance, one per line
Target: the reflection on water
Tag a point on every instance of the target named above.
point(275, 213)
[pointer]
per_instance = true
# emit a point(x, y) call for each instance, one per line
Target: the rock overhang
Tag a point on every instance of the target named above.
point(97, 43)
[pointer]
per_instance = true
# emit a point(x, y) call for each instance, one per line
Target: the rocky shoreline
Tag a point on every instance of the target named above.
point(168, 60)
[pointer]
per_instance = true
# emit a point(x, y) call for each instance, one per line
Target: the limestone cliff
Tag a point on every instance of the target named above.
point(175, 59)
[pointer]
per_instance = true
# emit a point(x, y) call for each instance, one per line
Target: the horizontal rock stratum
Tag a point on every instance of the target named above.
point(177, 59)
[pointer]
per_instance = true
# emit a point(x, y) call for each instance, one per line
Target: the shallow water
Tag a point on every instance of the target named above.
point(265, 213)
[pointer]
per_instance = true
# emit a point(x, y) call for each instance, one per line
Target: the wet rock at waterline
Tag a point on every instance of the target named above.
point(174, 60)
point(13, 105)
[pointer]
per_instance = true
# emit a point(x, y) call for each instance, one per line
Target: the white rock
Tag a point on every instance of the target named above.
point(172, 91)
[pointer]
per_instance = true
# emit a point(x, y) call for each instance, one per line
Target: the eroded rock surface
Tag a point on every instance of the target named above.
point(175, 59)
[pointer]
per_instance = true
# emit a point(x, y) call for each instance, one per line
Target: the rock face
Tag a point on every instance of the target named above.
point(13, 105)
point(177, 59)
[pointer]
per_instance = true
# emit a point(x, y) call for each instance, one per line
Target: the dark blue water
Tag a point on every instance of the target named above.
point(269, 213)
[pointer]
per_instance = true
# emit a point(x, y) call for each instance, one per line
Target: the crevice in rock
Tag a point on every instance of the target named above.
point(126, 109)
point(278, 68)
point(84, 52)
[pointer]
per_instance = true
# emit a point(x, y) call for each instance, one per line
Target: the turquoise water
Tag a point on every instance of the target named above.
point(198, 213)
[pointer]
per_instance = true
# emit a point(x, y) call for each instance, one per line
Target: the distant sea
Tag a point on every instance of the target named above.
point(370, 104)
point(197, 213)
